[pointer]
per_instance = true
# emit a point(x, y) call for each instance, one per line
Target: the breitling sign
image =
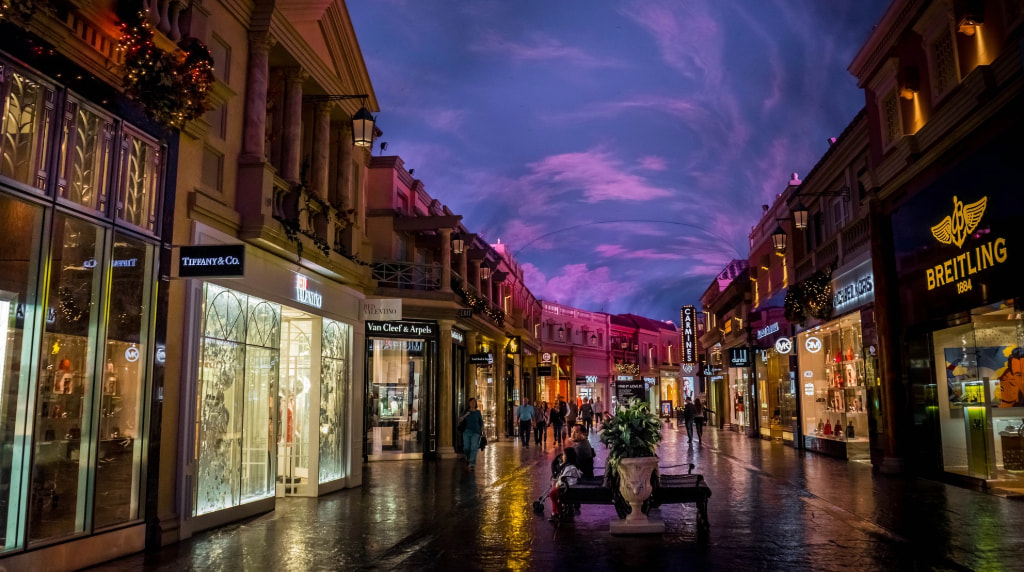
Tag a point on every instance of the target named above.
point(954, 230)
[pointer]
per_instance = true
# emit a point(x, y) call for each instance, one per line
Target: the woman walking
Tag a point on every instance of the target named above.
point(471, 434)
point(540, 424)
point(698, 418)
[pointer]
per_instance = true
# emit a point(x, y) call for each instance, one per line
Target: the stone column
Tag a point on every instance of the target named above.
point(446, 259)
point(445, 393)
point(291, 144)
point(254, 134)
point(500, 392)
point(321, 149)
point(476, 277)
point(342, 197)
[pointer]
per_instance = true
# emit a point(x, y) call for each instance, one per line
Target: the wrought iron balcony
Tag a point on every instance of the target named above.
point(407, 275)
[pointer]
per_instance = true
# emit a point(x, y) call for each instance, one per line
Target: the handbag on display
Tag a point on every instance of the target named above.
point(483, 441)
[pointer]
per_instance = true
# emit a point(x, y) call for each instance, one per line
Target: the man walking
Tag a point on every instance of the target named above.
point(599, 411)
point(525, 414)
point(689, 412)
point(570, 416)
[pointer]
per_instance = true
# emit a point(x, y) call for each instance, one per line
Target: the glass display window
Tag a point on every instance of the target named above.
point(397, 369)
point(19, 316)
point(739, 397)
point(335, 376)
point(296, 454)
point(486, 397)
point(238, 369)
point(27, 115)
point(833, 381)
point(980, 381)
point(776, 388)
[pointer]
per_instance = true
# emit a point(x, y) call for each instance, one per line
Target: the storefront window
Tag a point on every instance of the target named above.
point(238, 370)
point(834, 384)
point(739, 397)
point(19, 262)
point(485, 395)
point(776, 395)
point(123, 382)
point(139, 181)
point(334, 380)
point(980, 377)
point(27, 114)
point(294, 395)
point(397, 368)
point(64, 428)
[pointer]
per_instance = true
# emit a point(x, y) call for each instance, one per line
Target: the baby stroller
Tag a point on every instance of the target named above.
point(556, 468)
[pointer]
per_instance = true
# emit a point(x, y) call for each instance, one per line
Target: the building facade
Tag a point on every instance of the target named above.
point(576, 343)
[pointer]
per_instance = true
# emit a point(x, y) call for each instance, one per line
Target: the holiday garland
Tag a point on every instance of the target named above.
point(812, 297)
point(173, 87)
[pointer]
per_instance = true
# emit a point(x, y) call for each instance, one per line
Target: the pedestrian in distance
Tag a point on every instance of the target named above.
point(557, 420)
point(525, 413)
point(698, 418)
point(587, 415)
point(689, 412)
point(599, 410)
point(572, 414)
point(540, 423)
point(473, 428)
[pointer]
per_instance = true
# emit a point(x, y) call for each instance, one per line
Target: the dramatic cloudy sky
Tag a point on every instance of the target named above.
point(621, 149)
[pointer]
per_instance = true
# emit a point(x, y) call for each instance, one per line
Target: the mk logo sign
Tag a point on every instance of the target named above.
point(965, 218)
point(813, 344)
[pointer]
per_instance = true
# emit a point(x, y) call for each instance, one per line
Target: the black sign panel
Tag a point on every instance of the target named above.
point(481, 359)
point(401, 329)
point(466, 313)
point(739, 357)
point(214, 260)
point(626, 390)
point(544, 370)
point(688, 326)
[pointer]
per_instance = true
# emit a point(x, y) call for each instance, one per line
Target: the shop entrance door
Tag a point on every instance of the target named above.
point(299, 389)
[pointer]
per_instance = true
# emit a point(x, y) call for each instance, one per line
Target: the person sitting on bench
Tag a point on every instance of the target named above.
point(569, 476)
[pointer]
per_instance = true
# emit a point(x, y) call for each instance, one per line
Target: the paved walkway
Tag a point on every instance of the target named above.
point(773, 508)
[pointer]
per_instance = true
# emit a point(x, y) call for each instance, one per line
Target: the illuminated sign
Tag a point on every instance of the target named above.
point(223, 260)
point(306, 296)
point(768, 330)
point(853, 288)
point(458, 336)
point(813, 344)
point(513, 345)
point(624, 378)
point(808, 389)
point(132, 354)
point(161, 354)
point(401, 329)
point(739, 357)
point(651, 380)
point(688, 323)
point(126, 263)
point(545, 357)
point(481, 359)
point(586, 379)
point(953, 230)
point(784, 345)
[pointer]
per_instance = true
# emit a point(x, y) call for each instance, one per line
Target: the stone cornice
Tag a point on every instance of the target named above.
point(884, 35)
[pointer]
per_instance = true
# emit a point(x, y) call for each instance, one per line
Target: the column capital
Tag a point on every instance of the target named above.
point(322, 108)
point(261, 41)
point(295, 75)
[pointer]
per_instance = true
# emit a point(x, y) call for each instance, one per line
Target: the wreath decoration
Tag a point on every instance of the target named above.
point(812, 297)
point(172, 86)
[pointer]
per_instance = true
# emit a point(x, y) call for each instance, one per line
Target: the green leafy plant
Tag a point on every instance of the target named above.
point(632, 431)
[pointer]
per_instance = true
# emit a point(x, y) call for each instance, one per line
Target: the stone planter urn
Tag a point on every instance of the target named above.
point(635, 488)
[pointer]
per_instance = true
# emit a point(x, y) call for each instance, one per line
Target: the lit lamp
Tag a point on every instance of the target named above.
point(458, 244)
point(485, 272)
point(362, 128)
point(911, 81)
point(799, 215)
point(972, 15)
point(779, 239)
point(593, 339)
point(561, 333)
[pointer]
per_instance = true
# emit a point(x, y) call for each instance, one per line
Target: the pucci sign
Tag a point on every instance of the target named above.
point(382, 309)
point(688, 323)
point(768, 330)
point(305, 295)
point(853, 288)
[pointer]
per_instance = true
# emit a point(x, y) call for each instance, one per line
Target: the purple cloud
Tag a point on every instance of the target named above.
point(653, 163)
point(614, 250)
point(596, 174)
point(540, 48)
point(577, 285)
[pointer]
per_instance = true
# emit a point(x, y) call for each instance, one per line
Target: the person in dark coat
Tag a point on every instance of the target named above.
point(689, 411)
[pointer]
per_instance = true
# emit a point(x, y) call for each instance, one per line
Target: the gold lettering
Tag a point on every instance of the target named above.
point(970, 267)
point(960, 259)
point(939, 278)
point(947, 266)
point(1000, 250)
point(986, 255)
point(931, 278)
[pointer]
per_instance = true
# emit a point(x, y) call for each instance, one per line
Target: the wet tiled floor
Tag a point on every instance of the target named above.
point(773, 508)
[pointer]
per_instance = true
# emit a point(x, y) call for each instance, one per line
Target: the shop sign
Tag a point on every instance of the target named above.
point(627, 390)
point(853, 288)
point(304, 295)
point(666, 373)
point(545, 357)
point(813, 344)
point(402, 345)
point(382, 309)
point(161, 354)
point(212, 260)
point(458, 337)
point(619, 378)
point(808, 389)
point(953, 230)
point(688, 368)
point(132, 354)
point(400, 329)
point(514, 345)
point(768, 330)
point(784, 345)
point(688, 321)
point(739, 357)
point(544, 370)
point(586, 379)
point(481, 359)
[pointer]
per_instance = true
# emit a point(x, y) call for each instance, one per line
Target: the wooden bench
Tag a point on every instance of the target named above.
point(668, 489)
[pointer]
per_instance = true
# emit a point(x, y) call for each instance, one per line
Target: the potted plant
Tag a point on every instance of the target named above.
point(632, 435)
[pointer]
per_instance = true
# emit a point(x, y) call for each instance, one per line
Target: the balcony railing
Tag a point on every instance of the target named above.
point(407, 275)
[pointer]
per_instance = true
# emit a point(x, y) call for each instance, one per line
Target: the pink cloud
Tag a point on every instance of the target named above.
point(520, 235)
point(653, 163)
point(598, 175)
point(614, 250)
point(579, 286)
point(541, 48)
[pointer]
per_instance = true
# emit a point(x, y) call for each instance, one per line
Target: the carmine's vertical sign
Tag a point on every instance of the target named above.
point(688, 323)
